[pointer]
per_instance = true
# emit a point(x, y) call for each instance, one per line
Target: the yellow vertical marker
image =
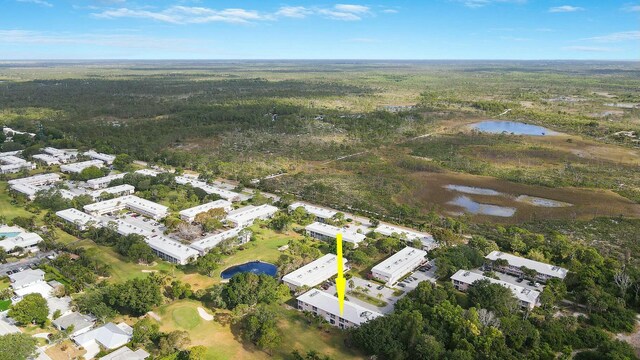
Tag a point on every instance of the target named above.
point(340, 281)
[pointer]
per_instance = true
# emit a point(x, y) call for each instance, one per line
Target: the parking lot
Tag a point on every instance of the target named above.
point(416, 277)
point(514, 280)
point(25, 263)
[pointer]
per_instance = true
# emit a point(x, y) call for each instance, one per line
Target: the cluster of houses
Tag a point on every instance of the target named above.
point(81, 328)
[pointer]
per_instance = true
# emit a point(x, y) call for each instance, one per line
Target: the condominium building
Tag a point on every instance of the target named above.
point(171, 250)
point(30, 191)
point(80, 219)
point(325, 232)
point(209, 242)
point(131, 202)
point(321, 214)
point(103, 182)
point(76, 168)
point(37, 180)
point(245, 216)
point(106, 158)
point(47, 159)
point(326, 306)
point(516, 263)
point(190, 214)
point(119, 190)
point(427, 240)
point(527, 298)
point(399, 264)
point(148, 172)
point(14, 164)
point(209, 189)
point(314, 273)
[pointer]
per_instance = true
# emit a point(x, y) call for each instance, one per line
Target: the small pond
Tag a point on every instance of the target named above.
point(477, 208)
point(472, 190)
point(257, 267)
point(542, 202)
point(512, 127)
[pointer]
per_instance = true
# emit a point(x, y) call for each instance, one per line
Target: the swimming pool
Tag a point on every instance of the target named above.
point(9, 234)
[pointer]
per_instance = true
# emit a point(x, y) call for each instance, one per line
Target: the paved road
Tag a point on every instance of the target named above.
point(25, 263)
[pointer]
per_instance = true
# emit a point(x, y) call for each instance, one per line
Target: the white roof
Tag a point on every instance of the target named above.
point(77, 217)
point(54, 151)
point(37, 179)
point(109, 335)
point(332, 231)
point(118, 189)
point(25, 239)
point(79, 166)
point(211, 241)
point(12, 159)
point(521, 293)
point(314, 272)
point(249, 213)
point(125, 228)
point(78, 320)
point(105, 179)
point(27, 189)
point(38, 287)
point(26, 277)
point(209, 189)
point(47, 158)
point(192, 212)
point(314, 210)
point(387, 230)
point(171, 247)
point(100, 156)
point(541, 268)
point(124, 353)
point(147, 172)
point(6, 327)
point(353, 313)
point(127, 201)
point(7, 153)
point(397, 261)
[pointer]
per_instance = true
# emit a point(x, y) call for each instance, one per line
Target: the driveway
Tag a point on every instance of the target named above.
point(25, 263)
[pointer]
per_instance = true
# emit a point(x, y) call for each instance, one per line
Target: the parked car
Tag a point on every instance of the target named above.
point(519, 280)
point(401, 284)
point(380, 287)
point(531, 283)
point(369, 285)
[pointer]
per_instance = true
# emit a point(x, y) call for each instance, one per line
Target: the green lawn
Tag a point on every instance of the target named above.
point(222, 341)
point(8, 210)
point(4, 304)
point(186, 317)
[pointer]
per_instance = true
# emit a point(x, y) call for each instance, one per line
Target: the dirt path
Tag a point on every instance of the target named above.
point(154, 315)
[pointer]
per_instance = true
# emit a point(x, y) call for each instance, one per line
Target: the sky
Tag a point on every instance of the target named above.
point(308, 29)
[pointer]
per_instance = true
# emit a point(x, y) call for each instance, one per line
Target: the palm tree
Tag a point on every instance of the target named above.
point(351, 284)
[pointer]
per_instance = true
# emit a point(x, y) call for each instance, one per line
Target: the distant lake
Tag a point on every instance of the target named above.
point(512, 127)
point(472, 190)
point(257, 267)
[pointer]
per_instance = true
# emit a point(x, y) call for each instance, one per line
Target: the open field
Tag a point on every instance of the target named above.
point(222, 340)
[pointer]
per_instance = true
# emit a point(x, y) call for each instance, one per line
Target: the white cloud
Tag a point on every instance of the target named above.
point(37, 2)
point(390, 11)
point(198, 15)
point(345, 12)
point(298, 12)
point(617, 37)
point(631, 8)
point(358, 9)
point(188, 15)
point(481, 3)
point(588, 49)
point(565, 9)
